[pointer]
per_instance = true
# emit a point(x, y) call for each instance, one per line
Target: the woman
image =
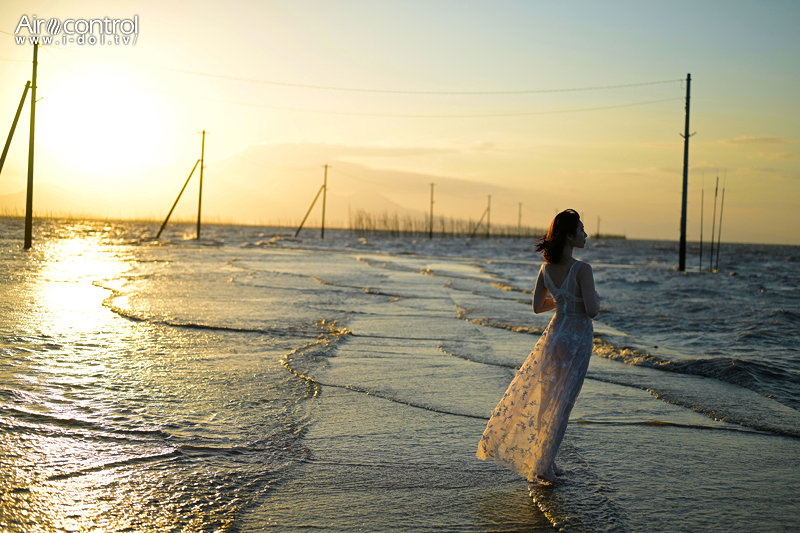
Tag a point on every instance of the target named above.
point(526, 428)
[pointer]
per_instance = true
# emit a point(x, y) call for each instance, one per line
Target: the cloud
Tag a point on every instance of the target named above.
point(331, 151)
point(776, 155)
point(746, 139)
point(757, 170)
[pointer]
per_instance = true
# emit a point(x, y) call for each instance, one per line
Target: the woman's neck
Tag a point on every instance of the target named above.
point(566, 254)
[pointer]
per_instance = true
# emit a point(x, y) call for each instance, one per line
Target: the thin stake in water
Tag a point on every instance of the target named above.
point(478, 225)
point(713, 226)
point(200, 198)
point(323, 188)
point(430, 226)
point(489, 217)
point(702, 203)
point(164, 224)
point(721, 207)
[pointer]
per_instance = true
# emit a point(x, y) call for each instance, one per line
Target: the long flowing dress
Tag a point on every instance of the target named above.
point(527, 426)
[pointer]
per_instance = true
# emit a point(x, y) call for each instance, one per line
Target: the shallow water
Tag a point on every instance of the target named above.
point(248, 381)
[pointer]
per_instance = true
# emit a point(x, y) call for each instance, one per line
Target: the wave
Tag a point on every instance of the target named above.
point(463, 314)
point(582, 501)
point(759, 377)
point(274, 240)
point(117, 464)
point(318, 348)
point(367, 290)
point(754, 375)
point(306, 330)
point(97, 430)
point(765, 418)
point(661, 423)
point(324, 348)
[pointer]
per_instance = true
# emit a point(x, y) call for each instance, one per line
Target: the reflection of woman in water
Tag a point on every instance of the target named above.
point(527, 426)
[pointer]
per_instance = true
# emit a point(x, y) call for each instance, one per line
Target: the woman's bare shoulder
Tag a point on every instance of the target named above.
point(584, 269)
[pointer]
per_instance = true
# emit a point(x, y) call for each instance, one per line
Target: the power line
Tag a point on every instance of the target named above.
point(400, 91)
point(427, 92)
point(476, 115)
point(418, 115)
point(401, 115)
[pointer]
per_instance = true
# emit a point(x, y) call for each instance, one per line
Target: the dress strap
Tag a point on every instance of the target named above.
point(564, 283)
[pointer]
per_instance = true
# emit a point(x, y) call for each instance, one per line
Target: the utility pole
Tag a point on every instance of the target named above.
point(430, 227)
point(714, 225)
point(324, 194)
point(682, 247)
point(519, 221)
point(29, 198)
point(200, 198)
point(598, 228)
point(489, 217)
point(719, 235)
point(14, 125)
point(702, 206)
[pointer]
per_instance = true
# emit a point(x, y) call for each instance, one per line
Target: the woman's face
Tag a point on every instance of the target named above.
point(579, 239)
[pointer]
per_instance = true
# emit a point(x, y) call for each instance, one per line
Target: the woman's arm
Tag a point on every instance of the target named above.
point(591, 301)
point(541, 302)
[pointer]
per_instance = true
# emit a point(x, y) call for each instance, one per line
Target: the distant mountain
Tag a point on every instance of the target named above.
point(272, 184)
point(278, 182)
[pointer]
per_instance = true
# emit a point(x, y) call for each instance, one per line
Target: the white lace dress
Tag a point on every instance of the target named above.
point(527, 426)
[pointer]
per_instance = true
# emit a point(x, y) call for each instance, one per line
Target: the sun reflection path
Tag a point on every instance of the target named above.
point(55, 354)
point(110, 424)
point(67, 302)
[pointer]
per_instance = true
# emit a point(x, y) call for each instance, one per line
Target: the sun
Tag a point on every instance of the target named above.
point(98, 120)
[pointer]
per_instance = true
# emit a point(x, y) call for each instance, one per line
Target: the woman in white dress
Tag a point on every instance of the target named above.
point(528, 424)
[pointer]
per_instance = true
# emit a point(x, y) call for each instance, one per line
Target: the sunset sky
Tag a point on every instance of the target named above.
point(547, 104)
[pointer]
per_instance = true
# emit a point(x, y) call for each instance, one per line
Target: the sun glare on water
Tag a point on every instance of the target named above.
point(66, 296)
point(101, 120)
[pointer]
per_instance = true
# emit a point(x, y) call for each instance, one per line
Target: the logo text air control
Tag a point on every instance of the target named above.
point(98, 31)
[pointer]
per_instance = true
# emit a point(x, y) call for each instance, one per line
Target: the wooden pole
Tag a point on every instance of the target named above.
point(164, 224)
point(682, 247)
point(478, 225)
point(713, 226)
point(702, 204)
point(719, 235)
point(430, 226)
point(14, 125)
point(29, 197)
point(489, 217)
point(309, 211)
point(200, 197)
point(324, 195)
point(519, 220)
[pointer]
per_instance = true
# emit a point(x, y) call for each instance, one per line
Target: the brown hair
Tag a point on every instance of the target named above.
point(552, 244)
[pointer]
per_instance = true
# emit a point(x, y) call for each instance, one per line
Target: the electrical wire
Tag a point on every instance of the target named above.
point(418, 92)
point(501, 92)
point(444, 116)
point(410, 92)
